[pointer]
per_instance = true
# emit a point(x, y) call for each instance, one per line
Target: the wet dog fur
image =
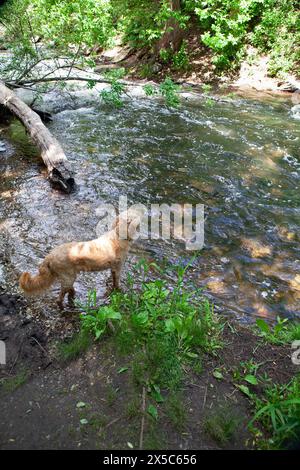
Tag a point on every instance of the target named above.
point(64, 262)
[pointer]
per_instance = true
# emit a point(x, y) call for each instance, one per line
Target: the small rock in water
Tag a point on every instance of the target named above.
point(2, 146)
point(295, 110)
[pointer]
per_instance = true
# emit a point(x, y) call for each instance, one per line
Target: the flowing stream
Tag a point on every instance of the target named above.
point(238, 156)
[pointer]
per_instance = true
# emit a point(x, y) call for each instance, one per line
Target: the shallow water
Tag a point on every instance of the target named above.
point(240, 157)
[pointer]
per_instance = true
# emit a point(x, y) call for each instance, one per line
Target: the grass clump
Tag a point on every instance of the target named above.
point(111, 395)
point(157, 363)
point(222, 424)
point(80, 342)
point(283, 332)
point(278, 412)
point(10, 384)
point(133, 408)
point(176, 411)
point(155, 438)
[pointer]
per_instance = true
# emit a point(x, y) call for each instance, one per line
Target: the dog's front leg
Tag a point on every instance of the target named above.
point(115, 273)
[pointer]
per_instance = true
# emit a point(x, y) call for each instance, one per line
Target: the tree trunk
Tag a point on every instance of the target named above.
point(172, 37)
point(59, 171)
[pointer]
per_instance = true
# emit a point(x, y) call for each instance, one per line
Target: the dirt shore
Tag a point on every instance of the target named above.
point(93, 402)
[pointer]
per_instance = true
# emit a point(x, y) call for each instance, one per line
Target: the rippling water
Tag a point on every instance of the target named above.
point(240, 157)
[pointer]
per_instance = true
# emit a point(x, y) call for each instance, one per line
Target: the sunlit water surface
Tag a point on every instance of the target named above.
point(240, 157)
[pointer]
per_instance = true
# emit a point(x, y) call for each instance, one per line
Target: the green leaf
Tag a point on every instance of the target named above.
point(262, 325)
point(244, 389)
point(84, 421)
point(112, 315)
point(217, 374)
point(122, 369)
point(293, 401)
point(251, 379)
point(80, 404)
point(170, 326)
point(155, 393)
point(98, 333)
point(140, 318)
point(152, 410)
point(192, 355)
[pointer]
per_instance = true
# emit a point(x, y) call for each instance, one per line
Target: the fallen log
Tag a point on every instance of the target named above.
point(59, 170)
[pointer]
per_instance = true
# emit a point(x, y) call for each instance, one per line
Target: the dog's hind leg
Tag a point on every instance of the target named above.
point(71, 296)
point(67, 288)
point(116, 272)
point(63, 292)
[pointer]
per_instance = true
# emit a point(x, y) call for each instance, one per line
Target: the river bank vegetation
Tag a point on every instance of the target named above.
point(158, 32)
point(161, 364)
point(159, 367)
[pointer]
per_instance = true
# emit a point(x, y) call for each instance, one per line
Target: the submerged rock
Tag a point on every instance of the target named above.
point(295, 110)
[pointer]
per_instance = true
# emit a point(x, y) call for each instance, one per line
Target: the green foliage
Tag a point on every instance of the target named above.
point(146, 70)
point(97, 321)
point(278, 31)
point(176, 410)
point(206, 87)
point(271, 25)
point(169, 91)
point(149, 90)
point(162, 327)
point(142, 22)
point(10, 384)
point(180, 58)
point(283, 332)
point(222, 424)
point(113, 96)
point(79, 343)
point(227, 26)
point(279, 413)
point(115, 74)
point(61, 23)
point(165, 55)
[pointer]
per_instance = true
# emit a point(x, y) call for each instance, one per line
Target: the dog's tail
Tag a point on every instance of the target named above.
point(42, 281)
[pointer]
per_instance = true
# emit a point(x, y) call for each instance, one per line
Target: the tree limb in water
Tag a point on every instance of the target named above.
point(32, 81)
point(59, 171)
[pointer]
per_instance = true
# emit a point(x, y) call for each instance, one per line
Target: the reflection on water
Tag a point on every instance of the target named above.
point(240, 158)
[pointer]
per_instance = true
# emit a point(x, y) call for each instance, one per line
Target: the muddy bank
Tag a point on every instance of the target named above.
point(24, 338)
point(88, 404)
point(251, 74)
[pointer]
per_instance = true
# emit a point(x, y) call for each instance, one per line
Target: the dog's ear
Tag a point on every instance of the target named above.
point(126, 225)
point(115, 223)
point(120, 225)
point(132, 226)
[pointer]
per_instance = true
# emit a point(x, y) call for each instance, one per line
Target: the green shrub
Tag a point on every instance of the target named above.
point(283, 332)
point(181, 59)
point(279, 413)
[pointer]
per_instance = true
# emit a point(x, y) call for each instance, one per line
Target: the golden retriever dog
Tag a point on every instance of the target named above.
point(64, 262)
